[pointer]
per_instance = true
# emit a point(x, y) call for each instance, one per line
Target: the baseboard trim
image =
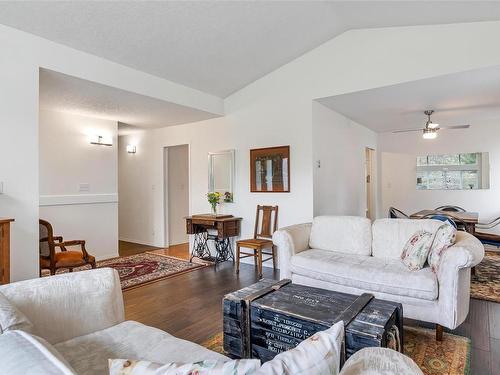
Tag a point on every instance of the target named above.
point(107, 256)
point(66, 200)
point(140, 242)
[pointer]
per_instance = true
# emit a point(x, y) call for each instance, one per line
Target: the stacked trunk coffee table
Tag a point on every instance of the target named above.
point(271, 316)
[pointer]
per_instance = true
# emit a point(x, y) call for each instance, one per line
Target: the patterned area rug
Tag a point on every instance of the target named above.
point(485, 284)
point(140, 269)
point(448, 357)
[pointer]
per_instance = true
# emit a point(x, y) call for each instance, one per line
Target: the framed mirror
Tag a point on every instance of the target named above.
point(221, 173)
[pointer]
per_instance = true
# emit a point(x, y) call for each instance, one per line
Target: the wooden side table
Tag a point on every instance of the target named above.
point(226, 226)
point(5, 250)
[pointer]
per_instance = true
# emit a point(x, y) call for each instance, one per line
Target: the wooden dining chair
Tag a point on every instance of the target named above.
point(266, 223)
point(54, 260)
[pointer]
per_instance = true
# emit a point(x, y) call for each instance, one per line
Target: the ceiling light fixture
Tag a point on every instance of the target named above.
point(429, 133)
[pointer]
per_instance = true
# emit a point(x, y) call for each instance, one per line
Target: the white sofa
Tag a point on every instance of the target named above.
point(82, 315)
point(350, 254)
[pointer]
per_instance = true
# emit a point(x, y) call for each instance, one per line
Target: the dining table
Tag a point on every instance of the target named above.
point(469, 219)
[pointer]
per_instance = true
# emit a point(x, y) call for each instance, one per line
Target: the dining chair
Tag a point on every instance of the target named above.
point(450, 209)
point(54, 260)
point(266, 223)
point(485, 237)
point(394, 213)
point(454, 221)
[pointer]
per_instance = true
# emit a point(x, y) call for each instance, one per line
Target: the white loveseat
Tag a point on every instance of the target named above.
point(350, 254)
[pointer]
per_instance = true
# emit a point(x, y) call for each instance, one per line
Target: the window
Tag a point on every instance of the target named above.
point(452, 171)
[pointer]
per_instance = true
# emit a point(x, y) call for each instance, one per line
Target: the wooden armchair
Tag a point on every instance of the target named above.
point(265, 225)
point(53, 260)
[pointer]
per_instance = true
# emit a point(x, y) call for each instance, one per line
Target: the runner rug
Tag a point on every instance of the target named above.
point(140, 269)
point(448, 357)
point(485, 284)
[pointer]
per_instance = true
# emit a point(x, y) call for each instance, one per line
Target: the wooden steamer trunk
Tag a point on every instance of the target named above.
point(270, 317)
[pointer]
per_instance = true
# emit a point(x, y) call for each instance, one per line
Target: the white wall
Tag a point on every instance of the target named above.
point(67, 159)
point(21, 57)
point(398, 169)
point(275, 110)
point(339, 144)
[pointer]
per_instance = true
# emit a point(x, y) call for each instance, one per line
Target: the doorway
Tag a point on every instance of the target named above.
point(370, 183)
point(176, 175)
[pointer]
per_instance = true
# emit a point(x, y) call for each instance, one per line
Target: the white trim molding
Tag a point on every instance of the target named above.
point(65, 200)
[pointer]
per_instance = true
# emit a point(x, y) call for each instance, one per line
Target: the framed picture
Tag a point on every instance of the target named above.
point(270, 170)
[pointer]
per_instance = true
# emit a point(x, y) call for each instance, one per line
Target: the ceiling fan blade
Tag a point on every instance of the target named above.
point(455, 127)
point(407, 130)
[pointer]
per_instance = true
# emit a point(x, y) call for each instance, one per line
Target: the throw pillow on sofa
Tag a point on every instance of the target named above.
point(11, 318)
point(443, 239)
point(417, 249)
point(212, 367)
point(318, 355)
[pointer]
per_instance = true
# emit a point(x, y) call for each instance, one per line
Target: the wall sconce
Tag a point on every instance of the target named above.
point(100, 140)
point(131, 149)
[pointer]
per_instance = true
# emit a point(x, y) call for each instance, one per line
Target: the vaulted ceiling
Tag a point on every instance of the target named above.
point(220, 46)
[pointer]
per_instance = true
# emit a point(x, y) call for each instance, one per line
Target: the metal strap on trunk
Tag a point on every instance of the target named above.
point(355, 308)
point(246, 324)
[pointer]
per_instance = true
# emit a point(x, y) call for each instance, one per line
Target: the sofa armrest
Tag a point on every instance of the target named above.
point(467, 252)
point(290, 241)
point(68, 305)
point(454, 277)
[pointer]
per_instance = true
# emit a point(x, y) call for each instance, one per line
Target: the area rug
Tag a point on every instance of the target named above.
point(448, 357)
point(485, 284)
point(137, 270)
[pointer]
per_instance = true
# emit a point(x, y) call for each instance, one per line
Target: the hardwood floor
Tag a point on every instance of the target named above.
point(129, 248)
point(189, 306)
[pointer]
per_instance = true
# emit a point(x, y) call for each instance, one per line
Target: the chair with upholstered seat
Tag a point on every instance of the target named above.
point(54, 260)
point(265, 225)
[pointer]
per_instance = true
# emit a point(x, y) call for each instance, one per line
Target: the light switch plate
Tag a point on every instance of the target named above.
point(84, 187)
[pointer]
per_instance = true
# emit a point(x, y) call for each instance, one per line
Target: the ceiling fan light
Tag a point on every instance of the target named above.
point(429, 133)
point(432, 125)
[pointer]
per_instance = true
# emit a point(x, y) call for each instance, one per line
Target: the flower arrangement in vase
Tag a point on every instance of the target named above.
point(213, 198)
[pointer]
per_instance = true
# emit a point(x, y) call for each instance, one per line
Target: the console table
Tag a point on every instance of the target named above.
point(226, 226)
point(5, 250)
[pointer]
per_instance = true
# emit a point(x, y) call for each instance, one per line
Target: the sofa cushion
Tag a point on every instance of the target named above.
point(391, 235)
point(344, 234)
point(11, 318)
point(23, 353)
point(89, 354)
point(368, 273)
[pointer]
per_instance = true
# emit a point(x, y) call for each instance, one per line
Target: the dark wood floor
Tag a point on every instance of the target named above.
point(130, 248)
point(189, 307)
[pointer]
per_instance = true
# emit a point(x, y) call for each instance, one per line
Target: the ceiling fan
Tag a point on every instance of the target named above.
point(430, 130)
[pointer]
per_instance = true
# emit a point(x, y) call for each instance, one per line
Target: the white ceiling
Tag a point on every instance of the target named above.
point(462, 98)
point(61, 92)
point(219, 46)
